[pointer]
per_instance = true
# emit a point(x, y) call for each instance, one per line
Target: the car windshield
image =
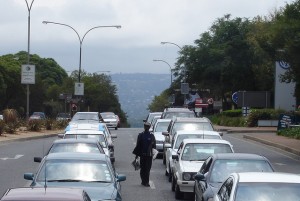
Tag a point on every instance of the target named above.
point(161, 126)
point(75, 171)
point(108, 116)
point(99, 137)
point(180, 138)
point(267, 191)
point(201, 151)
point(192, 126)
point(75, 147)
point(85, 116)
point(223, 168)
point(171, 115)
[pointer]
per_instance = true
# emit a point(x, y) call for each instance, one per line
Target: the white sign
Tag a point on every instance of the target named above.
point(79, 89)
point(185, 89)
point(28, 74)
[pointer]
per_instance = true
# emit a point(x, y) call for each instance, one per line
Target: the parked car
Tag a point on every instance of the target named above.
point(160, 126)
point(92, 134)
point(91, 172)
point(170, 113)
point(259, 186)
point(41, 114)
point(179, 136)
point(151, 115)
point(86, 117)
point(63, 117)
point(110, 119)
point(218, 167)
point(180, 123)
point(45, 194)
point(189, 158)
point(1, 116)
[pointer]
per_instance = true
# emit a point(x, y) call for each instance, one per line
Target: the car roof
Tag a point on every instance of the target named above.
point(268, 177)
point(187, 119)
point(201, 132)
point(244, 156)
point(86, 126)
point(205, 141)
point(84, 132)
point(171, 109)
point(77, 140)
point(76, 156)
point(86, 112)
point(46, 194)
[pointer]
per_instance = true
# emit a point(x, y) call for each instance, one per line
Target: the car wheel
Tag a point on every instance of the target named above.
point(116, 128)
point(178, 193)
point(164, 158)
point(173, 183)
point(166, 173)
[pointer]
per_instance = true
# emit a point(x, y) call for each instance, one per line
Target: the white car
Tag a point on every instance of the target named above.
point(160, 126)
point(92, 134)
point(110, 119)
point(264, 186)
point(190, 156)
point(179, 136)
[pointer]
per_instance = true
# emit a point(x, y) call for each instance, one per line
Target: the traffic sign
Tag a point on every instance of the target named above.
point(28, 74)
point(234, 97)
point(79, 89)
point(185, 89)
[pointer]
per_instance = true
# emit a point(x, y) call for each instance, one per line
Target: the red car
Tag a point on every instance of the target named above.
point(46, 194)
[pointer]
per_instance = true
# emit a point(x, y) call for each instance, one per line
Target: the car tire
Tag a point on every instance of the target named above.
point(116, 128)
point(170, 175)
point(166, 173)
point(164, 159)
point(178, 193)
point(173, 183)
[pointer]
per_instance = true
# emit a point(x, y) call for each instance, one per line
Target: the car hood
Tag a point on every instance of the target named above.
point(191, 166)
point(159, 136)
point(96, 191)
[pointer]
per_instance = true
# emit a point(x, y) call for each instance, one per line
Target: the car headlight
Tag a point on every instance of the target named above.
point(186, 176)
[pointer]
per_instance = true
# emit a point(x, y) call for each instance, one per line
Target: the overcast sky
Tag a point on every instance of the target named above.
point(131, 49)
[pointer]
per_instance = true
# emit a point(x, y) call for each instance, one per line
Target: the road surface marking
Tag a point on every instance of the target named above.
point(16, 157)
point(151, 184)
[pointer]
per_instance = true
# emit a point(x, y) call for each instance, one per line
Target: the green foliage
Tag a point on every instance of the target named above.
point(223, 120)
point(262, 114)
point(12, 127)
point(49, 123)
point(159, 103)
point(232, 113)
point(62, 124)
point(290, 132)
point(35, 125)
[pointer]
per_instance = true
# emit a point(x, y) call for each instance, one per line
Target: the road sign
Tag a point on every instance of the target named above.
point(199, 103)
point(185, 89)
point(235, 97)
point(28, 74)
point(79, 89)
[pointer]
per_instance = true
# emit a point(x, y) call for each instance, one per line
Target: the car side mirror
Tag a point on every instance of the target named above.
point(175, 157)
point(121, 177)
point(144, 120)
point(199, 177)
point(37, 159)
point(28, 176)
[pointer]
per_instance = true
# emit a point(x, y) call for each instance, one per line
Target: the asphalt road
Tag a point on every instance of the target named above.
point(16, 158)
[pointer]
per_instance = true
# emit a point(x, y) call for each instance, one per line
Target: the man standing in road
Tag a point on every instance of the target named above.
point(145, 144)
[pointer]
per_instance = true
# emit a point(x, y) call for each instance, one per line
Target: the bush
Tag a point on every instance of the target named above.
point(232, 113)
point(290, 132)
point(262, 114)
point(35, 125)
point(2, 126)
point(61, 124)
point(228, 121)
point(49, 123)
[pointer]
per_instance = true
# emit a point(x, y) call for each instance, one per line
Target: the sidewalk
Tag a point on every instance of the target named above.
point(265, 135)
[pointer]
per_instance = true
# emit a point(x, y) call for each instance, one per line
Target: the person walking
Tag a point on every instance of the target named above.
point(143, 149)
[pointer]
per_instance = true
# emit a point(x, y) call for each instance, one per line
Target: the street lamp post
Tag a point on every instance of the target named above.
point(165, 42)
point(81, 39)
point(168, 65)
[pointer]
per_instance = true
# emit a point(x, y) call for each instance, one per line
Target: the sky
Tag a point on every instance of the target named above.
point(130, 49)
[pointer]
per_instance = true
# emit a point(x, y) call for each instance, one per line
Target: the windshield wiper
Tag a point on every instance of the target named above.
point(64, 180)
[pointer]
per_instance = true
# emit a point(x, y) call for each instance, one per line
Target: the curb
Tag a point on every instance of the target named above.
point(282, 147)
point(250, 131)
point(29, 138)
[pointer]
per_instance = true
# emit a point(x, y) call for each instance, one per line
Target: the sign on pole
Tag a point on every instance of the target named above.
point(79, 89)
point(185, 89)
point(28, 74)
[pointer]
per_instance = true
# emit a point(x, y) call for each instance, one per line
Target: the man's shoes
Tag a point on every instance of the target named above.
point(147, 185)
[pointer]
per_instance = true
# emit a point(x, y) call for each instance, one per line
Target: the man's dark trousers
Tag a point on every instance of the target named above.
point(146, 163)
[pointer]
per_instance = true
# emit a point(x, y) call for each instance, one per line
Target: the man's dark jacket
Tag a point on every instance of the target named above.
point(138, 150)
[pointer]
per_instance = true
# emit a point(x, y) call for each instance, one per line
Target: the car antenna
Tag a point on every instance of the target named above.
point(45, 185)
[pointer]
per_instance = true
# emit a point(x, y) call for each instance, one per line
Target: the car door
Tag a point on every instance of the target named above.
point(201, 186)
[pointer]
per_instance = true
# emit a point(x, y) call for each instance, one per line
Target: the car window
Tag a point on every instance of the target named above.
point(222, 168)
point(201, 151)
point(206, 165)
point(85, 116)
point(161, 126)
point(75, 147)
point(100, 138)
point(79, 170)
point(226, 190)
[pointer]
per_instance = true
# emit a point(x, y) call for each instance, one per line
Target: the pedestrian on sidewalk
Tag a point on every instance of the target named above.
point(143, 149)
